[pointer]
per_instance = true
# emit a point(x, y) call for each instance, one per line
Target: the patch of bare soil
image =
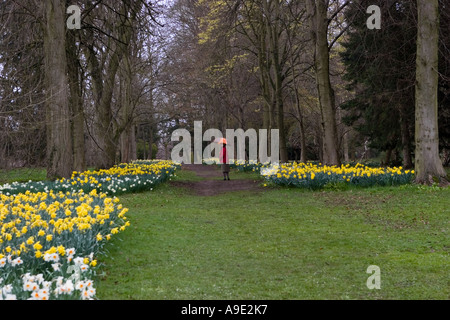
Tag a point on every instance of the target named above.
point(213, 182)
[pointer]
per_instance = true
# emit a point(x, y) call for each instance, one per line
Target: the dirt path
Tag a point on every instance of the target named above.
point(213, 183)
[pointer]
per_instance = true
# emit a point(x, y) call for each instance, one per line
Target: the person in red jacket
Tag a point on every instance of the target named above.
point(223, 158)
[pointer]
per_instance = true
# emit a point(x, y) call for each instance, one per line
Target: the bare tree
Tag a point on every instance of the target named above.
point(22, 98)
point(318, 13)
point(428, 165)
point(59, 135)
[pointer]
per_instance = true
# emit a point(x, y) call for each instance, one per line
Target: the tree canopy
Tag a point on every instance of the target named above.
point(116, 88)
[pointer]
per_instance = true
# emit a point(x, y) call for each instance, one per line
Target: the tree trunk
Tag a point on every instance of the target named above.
point(151, 125)
point(406, 139)
point(298, 104)
point(76, 104)
point(387, 159)
point(345, 143)
point(128, 149)
point(128, 136)
point(107, 134)
point(319, 28)
point(279, 99)
point(272, 29)
point(428, 166)
point(150, 142)
point(303, 157)
point(264, 70)
point(58, 115)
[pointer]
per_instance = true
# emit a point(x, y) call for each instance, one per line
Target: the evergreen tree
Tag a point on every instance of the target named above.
point(380, 66)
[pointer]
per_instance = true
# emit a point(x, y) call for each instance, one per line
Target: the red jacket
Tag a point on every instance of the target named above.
point(223, 157)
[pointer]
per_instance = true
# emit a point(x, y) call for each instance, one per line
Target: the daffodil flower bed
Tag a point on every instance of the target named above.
point(134, 177)
point(52, 233)
point(45, 235)
point(137, 176)
point(313, 176)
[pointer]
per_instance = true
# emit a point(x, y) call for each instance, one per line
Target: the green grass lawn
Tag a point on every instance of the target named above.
point(280, 243)
point(22, 175)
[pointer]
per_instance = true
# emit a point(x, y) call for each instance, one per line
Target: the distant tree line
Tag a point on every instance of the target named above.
point(76, 98)
point(139, 69)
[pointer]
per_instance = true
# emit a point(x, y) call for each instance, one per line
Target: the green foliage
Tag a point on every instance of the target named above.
point(336, 186)
point(248, 166)
point(142, 150)
point(380, 66)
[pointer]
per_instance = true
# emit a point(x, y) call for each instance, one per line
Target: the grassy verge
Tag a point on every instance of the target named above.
point(281, 244)
point(22, 175)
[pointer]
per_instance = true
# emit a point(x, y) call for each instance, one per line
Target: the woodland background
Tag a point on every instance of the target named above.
point(116, 89)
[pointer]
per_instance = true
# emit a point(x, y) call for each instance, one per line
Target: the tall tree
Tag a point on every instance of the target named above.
point(22, 97)
point(105, 47)
point(76, 102)
point(59, 135)
point(428, 165)
point(318, 13)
